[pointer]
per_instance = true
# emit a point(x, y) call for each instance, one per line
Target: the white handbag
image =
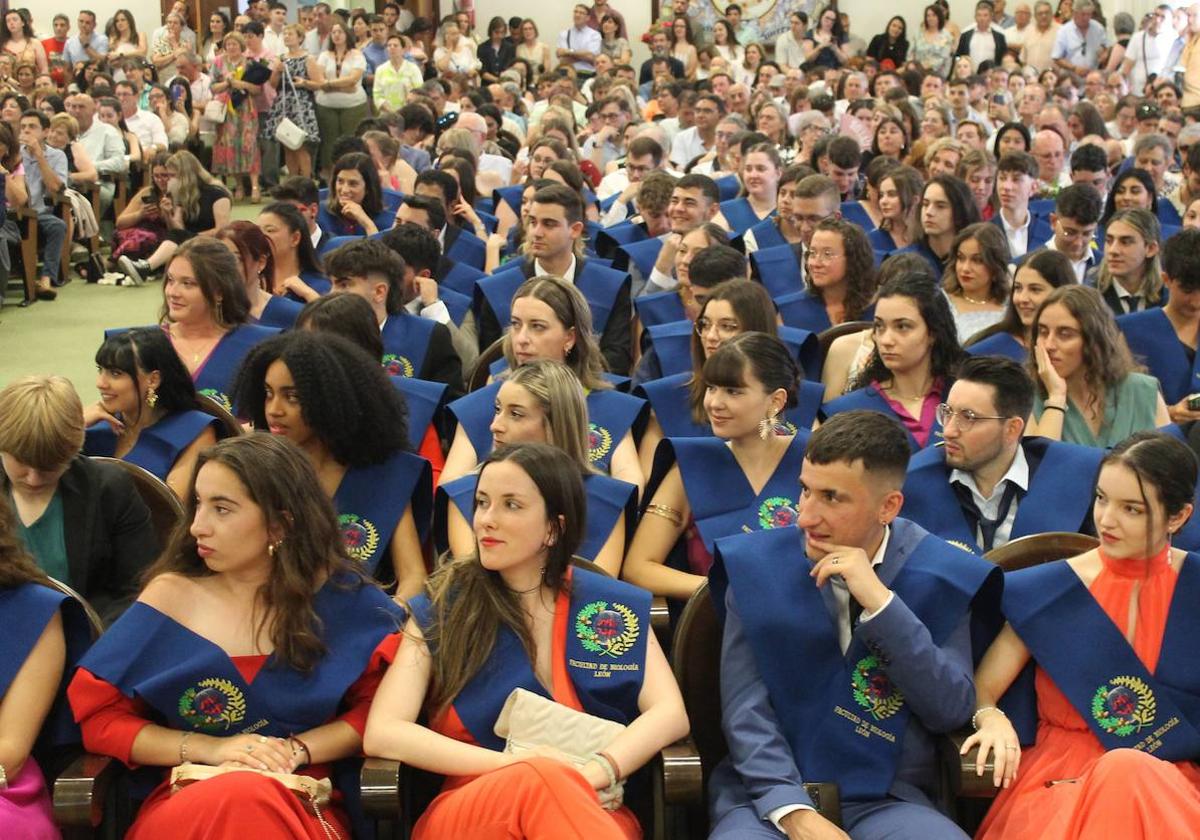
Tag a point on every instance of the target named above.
point(290, 135)
point(214, 110)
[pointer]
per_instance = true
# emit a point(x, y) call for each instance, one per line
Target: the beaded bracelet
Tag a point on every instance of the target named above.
point(183, 750)
point(975, 717)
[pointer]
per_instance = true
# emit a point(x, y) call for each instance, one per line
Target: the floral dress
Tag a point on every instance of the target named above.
point(235, 151)
point(295, 103)
point(933, 52)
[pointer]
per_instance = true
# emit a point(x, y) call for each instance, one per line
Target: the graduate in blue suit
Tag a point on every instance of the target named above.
point(147, 413)
point(988, 484)
point(911, 367)
point(354, 206)
point(875, 615)
point(1016, 181)
point(1036, 277)
point(742, 478)
point(761, 168)
point(839, 279)
point(327, 396)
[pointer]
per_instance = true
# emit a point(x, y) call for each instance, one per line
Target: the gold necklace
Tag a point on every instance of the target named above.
point(972, 300)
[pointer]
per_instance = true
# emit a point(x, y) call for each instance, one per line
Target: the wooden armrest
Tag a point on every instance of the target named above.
point(379, 788)
point(660, 621)
point(964, 780)
point(23, 213)
point(81, 789)
point(683, 775)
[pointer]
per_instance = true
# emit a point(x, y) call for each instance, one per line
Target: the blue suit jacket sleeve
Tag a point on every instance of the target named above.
point(937, 682)
point(757, 748)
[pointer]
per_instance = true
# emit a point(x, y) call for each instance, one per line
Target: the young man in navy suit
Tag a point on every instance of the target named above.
point(1016, 180)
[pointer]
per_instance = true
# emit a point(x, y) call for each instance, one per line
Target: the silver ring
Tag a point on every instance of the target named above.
point(249, 748)
point(833, 562)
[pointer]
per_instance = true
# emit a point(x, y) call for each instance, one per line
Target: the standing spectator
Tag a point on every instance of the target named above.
point(933, 44)
point(375, 49)
point(497, 53)
point(218, 28)
point(296, 74)
point(17, 40)
point(890, 48)
point(179, 7)
point(341, 99)
point(169, 47)
point(1147, 51)
point(102, 142)
point(87, 45)
point(1022, 21)
point(150, 132)
point(173, 115)
point(683, 48)
point(1190, 59)
point(55, 46)
point(275, 22)
point(828, 38)
point(1040, 40)
point(236, 149)
point(457, 52)
point(123, 37)
point(984, 42)
point(258, 53)
point(531, 50)
point(395, 78)
point(1079, 44)
point(602, 9)
point(45, 174)
point(789, 47)
point(317, 39)
point(580, 44)
point(200, 84)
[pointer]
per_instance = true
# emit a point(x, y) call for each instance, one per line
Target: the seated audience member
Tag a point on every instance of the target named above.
point(257, 572)
point(781, 228)
point(1089, 390)
point(554, 230)
point(883, 611)
point(865, 211)
point(839, 279)
point(910, 368)
point(413, 346)
point(976, 278)
point(520, 584)
point(254, 251)
point(1164, 338)
point(695, 200)
point(816, 199)
point(46, 173)
point(355, 203)
point(1129, 277)
point(1016, 180)
point(760, 171)
point(978, 169)
point(1089, 165)
point(1118, 618)
point(551, 320)
point(1037, 276)
point(298, 270)
point(1075, 218)
point(142, 226)
point(899, 205)
point(946, 208)
point(989, 484)
point(83, 521)
point(743, 477)
point(458, 243)
point(194, 203)
point(542, 402)
point(323, 394)
point(46, 631)
point(147, 413)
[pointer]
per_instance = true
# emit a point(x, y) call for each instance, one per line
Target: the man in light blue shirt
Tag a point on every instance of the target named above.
point(1078, 45)
point(580, 44)
point(45, 174)
point(88, 45)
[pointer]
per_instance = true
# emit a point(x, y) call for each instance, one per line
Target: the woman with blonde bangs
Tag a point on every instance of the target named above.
point(543, 402)
point(551, 320)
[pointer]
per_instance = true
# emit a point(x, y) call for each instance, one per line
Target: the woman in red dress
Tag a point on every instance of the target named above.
point(1115, 746)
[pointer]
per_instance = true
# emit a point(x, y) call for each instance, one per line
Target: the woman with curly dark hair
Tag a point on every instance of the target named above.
point(256, 644)
point(910, 369)
point(335, 402)
point(839, 279)
point(147, 413)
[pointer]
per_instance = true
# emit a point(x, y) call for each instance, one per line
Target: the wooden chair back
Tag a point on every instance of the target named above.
point(166, 511)
point(1035, 549)
point(230, 427)
point(482, 369)
point(697, 664)
point(826, 338)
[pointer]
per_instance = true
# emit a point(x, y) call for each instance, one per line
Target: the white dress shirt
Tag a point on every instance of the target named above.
point(1018, 237)
point(148, 128)
point(989, 506)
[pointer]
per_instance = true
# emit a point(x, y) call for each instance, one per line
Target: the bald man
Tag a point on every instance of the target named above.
point(1050, 152)
point(489, 163)
point(103, 144)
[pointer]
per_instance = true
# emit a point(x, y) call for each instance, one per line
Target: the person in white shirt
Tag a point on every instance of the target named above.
point(580, 44)
point(1148, 50)
point(148, 128)
point(1016, 179)
point(695, 141)
point(789, 47)
point(314, 41)
point(1079, 44)
point(101, 142)
point(1077, 214)
point(273, 34)
point(179, 7)
point(1039, 41)
point(1015, 34)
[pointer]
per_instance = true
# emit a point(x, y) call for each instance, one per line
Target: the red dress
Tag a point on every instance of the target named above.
point(1122, 793)
point(535, 799)
point(235, 805)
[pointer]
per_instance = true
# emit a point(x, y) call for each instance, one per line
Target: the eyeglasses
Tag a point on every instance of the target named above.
point(610, 115)
point(825, 255)
point(724, 328)
point(966, 417)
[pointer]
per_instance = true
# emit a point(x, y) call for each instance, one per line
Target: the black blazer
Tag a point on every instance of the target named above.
point(964, 44)
point(495, 61)
point(109, 536)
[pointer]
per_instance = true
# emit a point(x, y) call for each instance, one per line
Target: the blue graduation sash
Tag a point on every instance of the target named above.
point(766, 234)
point(316, 281)
point(1000, 344)
point(1123, 704)
point(1153, 340)
point(722, 501)
point(405, 341)
point(881, 243)
point(215, 379)
point(610, 415)
point(599, 284)
point(424, 399)
point(461, 278)
point(467, 248)
point(605, 650)
point(869, 399)
point(158, 446)
point(280, 312)
point(936, 266)
point(342, 228)
point(672, 344)
point(622, 233)
point(668, 397)
point(659, 308)
point(740, 215)
point(840, 714)
point(853, 211)
point(509, 195)
point(607, 499)
point(803, 311)
point(1059, 497)
point(371, 500)
point(778, 269)
point(642, 255)
point(728, 186)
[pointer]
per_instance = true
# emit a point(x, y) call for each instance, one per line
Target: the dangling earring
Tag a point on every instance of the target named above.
point(151, 397)
point(272, 548)
point(767, 425)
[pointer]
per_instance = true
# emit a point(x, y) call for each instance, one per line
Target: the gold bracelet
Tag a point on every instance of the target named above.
point(669, 513)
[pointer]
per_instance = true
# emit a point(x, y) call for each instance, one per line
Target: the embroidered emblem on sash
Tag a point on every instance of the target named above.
point(1124, 706)
point(213, 705)
point(873, 690)
point(962, 545)
point(777, 512)
point(599, 442)
point(213, 393)
point(360, 536)
point(607, 631)
point(398, 365)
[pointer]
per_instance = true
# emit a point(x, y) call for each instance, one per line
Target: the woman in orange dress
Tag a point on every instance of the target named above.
point(517, 615)
point(256, 645)
point(1118, 727)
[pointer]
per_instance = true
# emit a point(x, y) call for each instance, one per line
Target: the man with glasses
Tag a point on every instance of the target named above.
point(693, 142)
point(147, 126)
point(1079, 44)
point(816, 199)
point(580, 44)
point(608, 144)
point(1075, 220)
point(989, 484)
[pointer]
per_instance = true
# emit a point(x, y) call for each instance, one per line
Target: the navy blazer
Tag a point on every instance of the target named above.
point(1040, 232)
point(937, 682)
